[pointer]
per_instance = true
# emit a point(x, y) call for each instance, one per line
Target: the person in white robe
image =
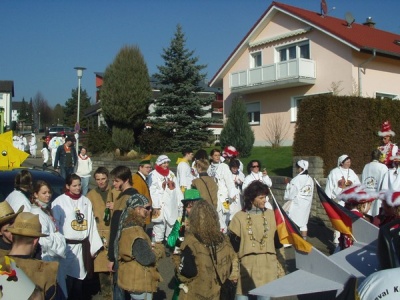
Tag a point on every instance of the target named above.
point(54, 143)
point(391, 180)
point(299, 191)
point(372, 178)
point(236, 203)
point(227, 192)
point(53, 245)
point(16, 141)
point(339, 179)
point(33, 145)
point(184, 172)
point(166, 197)
point(22, 142)
point(74, 218)
point(22, 191)
point(255, 173)
point(45, 155)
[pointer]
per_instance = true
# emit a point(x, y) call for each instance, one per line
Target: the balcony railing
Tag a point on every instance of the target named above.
point(296, 70)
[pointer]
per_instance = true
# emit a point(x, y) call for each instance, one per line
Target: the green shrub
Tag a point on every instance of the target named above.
point(123, 138)
point(99, 140)
point(329, 126)
point(154, 141)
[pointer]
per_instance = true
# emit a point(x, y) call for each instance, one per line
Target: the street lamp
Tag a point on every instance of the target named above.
point(79, 72)
point(39, 123)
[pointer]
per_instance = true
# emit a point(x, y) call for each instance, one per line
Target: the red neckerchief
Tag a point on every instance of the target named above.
point(163, 172)
point(83, 157)
point(67, 149)
point(72, 196)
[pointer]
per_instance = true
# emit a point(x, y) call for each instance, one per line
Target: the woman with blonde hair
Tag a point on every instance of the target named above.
point(207, 259)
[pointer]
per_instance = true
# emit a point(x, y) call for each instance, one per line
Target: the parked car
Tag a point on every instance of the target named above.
point(58, 130)
point(53, 178)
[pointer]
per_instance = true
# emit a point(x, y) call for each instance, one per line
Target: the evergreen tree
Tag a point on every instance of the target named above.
point(23, 111)
point(237, 131)
point(126, 93)
point(180, 110)
point(71, 107)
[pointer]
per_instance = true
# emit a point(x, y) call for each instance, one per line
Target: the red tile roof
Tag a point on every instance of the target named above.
point(358, 35)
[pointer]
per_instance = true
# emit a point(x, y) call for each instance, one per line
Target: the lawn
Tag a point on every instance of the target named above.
point(277, 161)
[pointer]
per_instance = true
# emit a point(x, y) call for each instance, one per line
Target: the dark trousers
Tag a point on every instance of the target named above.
point(65, 171)
point(74, 288)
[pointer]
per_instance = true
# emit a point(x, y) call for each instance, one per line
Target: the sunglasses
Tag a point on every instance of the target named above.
point(148, 208)
point(255, 166)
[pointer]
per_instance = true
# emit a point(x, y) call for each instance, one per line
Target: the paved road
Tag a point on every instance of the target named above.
point(319, 237)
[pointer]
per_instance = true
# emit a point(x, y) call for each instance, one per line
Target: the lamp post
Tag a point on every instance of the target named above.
point(79, 72)
point(39, 123)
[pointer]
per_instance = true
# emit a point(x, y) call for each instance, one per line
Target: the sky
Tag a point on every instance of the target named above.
point(43, 40)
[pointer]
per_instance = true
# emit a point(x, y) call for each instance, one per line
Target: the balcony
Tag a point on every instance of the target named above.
point(285, 74)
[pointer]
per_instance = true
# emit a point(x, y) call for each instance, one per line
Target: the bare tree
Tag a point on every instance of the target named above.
point(42, 112)
point(58, 114)
point(276, 130)
point(336, 87)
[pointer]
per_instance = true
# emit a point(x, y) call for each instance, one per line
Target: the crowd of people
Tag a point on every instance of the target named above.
point(215, 222)
point(21, 142)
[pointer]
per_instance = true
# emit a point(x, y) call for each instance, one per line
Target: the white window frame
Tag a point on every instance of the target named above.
point(252, 108)
point(289, 46)
point(294, 103)
point(254, 59)
point(382, 95)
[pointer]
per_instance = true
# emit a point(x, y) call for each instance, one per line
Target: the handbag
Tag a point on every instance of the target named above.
point(228, 288)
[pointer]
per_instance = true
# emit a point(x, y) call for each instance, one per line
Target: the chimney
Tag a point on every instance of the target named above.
point(370, 23)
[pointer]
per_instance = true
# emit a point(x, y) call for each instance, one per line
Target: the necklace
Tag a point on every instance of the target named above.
point(249, 228)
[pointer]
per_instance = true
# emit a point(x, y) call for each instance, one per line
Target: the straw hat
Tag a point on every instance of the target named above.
point(7, 213)
point(27, 224)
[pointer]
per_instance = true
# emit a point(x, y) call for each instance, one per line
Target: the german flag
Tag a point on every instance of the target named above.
point(287, 231)
point(341, 218)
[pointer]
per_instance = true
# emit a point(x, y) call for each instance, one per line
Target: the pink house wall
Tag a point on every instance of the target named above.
point(336, 65)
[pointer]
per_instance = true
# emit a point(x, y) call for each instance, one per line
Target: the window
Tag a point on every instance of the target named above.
point(1, 96)
point(253, 113)
point(381, 96)
point(293, 111)
point(300, 50)
point(295, 103)
point(256, 60)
